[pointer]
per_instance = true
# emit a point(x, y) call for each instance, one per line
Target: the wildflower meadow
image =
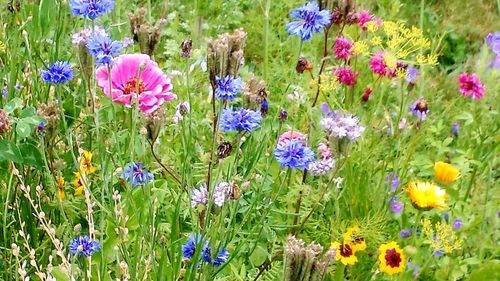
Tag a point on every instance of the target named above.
point(249, 140)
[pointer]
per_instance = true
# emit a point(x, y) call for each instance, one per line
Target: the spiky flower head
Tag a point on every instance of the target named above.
point(83, 246)
point(426, 195)
point(91, 8)
point(58, 73)
point(445, 172)
point(310, 19)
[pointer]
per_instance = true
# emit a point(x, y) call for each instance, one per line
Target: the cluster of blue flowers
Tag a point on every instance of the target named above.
point(196, 240)
point(91, 8)
point(135, 174)
point(310, 19)
point(58, 73)
point(228, 87)
point(84, 246)
point(103, 48)
point(241, 119)
point(294, 154)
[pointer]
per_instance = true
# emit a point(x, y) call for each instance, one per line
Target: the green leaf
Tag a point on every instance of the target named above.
point(31, 155)
point(23, 129)
point(12, 105)
point(10, 151)
point(259, 255)
point(27, 112)
point(486, 271)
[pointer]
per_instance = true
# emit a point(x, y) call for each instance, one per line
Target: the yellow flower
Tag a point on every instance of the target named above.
point(77, 183)
point(344, 253)
point(329, 83)
point(2, 47)
point(60, 188)
point(355, 239)
point(426, 195)
point(376, 41)
point(442, 237)
point(371, 26)
point(391, 61)
point(392, 259)
point(359, 47)
point(445, 172)
point(86, 166)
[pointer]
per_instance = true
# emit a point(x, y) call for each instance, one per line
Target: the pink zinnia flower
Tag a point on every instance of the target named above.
point(154, 87)
point(470, 85)
point(377, 64)
point(345, 75)
point(342, 48)
point(291, 135)
point(365, 17)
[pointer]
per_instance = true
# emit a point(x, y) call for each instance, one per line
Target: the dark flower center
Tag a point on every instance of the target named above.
point(132, 87)
point(345, 250)
point(393, 258)
point(422, 106)
point(358, 240)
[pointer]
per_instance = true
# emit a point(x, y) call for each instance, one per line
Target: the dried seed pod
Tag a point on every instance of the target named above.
point(224, 149)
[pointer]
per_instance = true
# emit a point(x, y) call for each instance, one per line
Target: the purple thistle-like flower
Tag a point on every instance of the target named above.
point(396, 206)
point(457, 224)
point(293, 154)
point(321, 167)
point(83, 246)
point(199, 196)
point(239, 119)
point(221, 257)
point(135, 174)
point(420, 108)
point(58, 73)
point(91, 8)
point(228, 87)
point(394, 180)
point(103, 48)
point(340, 124)
point(310, 19)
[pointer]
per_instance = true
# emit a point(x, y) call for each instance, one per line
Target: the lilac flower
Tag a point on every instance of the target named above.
point(58, 73)
point(5, 92)
point(420, 109)
point(127, 41)
point(135, 174)
point(455, 129)
point(293, 154)
point(228, 87)
point(91, 8)
point(220, 192)
point(310, 19)
point(405, 233)
point(411, 74)
point(457, 224)
point(393, 179)
point(182, 109)
point(199, 196)
point(493, 40)
point(103, 48)
point(83, 36)
point(396, 206)
point(239, 119)
point(438, 254)
point(341, 125)
point(83, 246)
point(321, 167)
point(221, 257)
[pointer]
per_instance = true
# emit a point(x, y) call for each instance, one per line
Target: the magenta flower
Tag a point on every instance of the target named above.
point(342, 48)
point(345, 75)
point(377, 64)
point(365, 17)
point(470, 85)
point(291, 135)
point(136, 78)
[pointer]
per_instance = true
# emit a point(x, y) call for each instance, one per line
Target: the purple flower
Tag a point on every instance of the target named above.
point(310, 19)
point(135, 174)
point(221, 257)
point(446, 217)
point(455, 128)
point(457, 224)
point(127, 41)
point(341, 124)
point(411, 74)
point(293, 154)
point(321, 167)
point(393, 179)
point(493, 40)
point(405, 233)
point(219, 194)
point(91, 8)
point(438, 254)
point(103, 48)
point(239, 119)
point(228, 87)
point(189, 248)
point(58, 73)
point(83, 246)
point(396, 206)
point(420, 108)
point(84, 35)
point(199, 196)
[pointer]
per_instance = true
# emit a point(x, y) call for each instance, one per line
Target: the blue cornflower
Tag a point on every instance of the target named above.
point(221, 257)
point(228, 87)
point(103, 48)
point(294, 154)
point(135, 174)
point(59, 72)
point(189, 248)
point(91, 8)
point(206, 253)
point(84, 246)
point(239, 119)
point(310, 19)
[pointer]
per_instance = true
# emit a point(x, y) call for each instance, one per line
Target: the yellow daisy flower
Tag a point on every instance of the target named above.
point(445, 172)
point(392, 259)
point(344, 253)
point(86, 166)
point(77, 183)
point(426, 195)
point(355, 239)
point(60, 188)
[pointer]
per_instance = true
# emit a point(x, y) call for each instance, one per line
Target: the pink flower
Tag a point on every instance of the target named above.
point(470, 85)
point(154, 87)
point(345, 75)
point(377, 64)
point(291, 135)
point(342, 48)
point(366, 95)
point(324, 151)
point(365, 17)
